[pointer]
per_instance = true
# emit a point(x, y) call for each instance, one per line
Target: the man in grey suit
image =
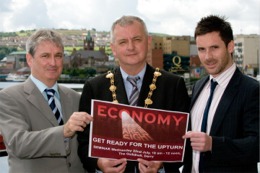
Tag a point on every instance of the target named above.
point(37, 141)
point(224, 137)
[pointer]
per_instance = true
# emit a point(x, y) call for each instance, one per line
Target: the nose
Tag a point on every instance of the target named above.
point(208, 54)
point(130, 45)
point(52, 60)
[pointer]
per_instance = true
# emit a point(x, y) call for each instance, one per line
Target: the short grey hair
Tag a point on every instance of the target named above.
point(43, 35)
point(125, 21)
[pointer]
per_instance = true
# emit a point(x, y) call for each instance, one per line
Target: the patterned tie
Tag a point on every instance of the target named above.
point(213, 85)
point(135, 93)
point(50, 94)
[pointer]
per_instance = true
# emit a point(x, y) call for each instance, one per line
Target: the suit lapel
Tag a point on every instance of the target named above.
point(147, 80)
point(65, 104)
point(225, 101)
point(37, 100)
point(197, 90)
point(120, 91)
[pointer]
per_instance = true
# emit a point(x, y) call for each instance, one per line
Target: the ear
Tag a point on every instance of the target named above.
point(231, 46)
point(149, 42)
point(113, 49)
point(149, 39)
point(29, 59)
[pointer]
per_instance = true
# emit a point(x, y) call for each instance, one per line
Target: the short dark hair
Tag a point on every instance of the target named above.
point(215, 23)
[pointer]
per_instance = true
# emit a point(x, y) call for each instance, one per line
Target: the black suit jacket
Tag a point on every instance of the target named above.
point(235, 127)
point(170, 94)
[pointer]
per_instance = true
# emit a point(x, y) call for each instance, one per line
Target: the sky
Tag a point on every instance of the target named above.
point(173, 17)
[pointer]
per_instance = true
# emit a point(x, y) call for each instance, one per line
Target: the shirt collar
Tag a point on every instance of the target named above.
point(140, 74)
point(41, 86)
point(225, 77)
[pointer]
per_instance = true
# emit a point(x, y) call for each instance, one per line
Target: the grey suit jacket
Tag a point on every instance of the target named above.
point(33, 139)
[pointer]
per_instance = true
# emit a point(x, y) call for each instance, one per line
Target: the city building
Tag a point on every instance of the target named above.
point(15, 61)
point(247, 53)
point(88, 57)
point(178, 44)
point(177, 54)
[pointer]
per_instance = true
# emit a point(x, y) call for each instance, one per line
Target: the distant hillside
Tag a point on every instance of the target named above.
point(160, 34)
point(68, 32)
point(8, 34)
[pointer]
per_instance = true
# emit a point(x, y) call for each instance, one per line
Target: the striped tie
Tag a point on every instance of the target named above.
point(50, 94)
point(135, 93)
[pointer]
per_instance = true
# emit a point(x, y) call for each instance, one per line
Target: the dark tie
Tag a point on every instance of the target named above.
point(50, 94)
point(135, 93)
point(213, 85)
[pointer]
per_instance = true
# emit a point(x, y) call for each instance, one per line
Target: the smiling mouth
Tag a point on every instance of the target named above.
point(131, 54)
point(52, 70)
point(211, 64)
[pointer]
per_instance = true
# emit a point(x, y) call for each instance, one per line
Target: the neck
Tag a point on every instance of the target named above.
point(133, 70)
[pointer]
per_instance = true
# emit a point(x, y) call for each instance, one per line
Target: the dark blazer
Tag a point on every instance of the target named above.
point(34, 140)
point(235, 127)
point(171, 94)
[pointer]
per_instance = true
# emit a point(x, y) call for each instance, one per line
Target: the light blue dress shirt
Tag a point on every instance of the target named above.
point(128, 85)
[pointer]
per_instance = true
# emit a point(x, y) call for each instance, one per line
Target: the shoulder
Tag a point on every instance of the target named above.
point(244, 80)
point(97, 81)
point(13, 90)
point(165, 75)
point(249, 82)
point(68, 91)
point(170, 77)
point(102, 79)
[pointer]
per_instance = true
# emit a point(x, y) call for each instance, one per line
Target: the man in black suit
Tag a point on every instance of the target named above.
point(229, 141)
point(130, 43)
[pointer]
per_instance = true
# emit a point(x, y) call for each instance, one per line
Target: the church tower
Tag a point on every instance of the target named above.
point(89, 42)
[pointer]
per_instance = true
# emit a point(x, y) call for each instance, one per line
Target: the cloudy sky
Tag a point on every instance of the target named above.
point(174, 17)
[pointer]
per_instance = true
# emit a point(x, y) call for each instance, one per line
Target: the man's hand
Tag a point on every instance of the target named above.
point(77, 122)
point(148, 166)
point(200, 141)
point(111, 166)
